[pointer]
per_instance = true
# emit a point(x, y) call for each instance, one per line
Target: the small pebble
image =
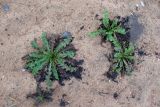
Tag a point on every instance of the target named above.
point(66, 34)
point(3, 77)
point(82, 27)
point(137, 5)
point(23, 70)
point(5, 7)
point(142, 4)
point(141, 53)
point(115, 95)
point(2, 53)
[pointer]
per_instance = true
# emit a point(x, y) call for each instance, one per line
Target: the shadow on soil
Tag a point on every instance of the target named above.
point(136, 28)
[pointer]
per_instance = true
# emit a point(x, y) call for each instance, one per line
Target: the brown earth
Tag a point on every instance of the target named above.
point(26, 19)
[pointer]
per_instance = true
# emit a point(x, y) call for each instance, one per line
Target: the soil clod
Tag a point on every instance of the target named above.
point(142, 53)
point(115, 95)
point(82, 27)
point(63, 102)
point(157, 55)
point(112, 76)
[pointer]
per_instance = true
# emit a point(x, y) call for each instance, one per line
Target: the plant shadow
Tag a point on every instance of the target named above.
point(136, 28)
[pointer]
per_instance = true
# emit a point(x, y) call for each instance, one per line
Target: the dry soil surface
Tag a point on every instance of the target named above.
point(23, 20)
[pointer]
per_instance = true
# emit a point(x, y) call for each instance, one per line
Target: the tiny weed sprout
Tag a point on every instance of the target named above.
point(108, 30)
point(53, 60)
point(41, 96)
point(116, 31)
point(123, 60)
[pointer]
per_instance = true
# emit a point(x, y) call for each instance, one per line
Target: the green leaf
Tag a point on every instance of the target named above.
point(121, 64)
point(38, 65)
point(110, 32)
point(120, 30)
point(110, 37)
point(125, 62)
point(131, 58)
point(114, 23)
point(68, 54)
point(35, 44)
point(36, 55)
point(66, 67)
point(129, 50)
point(118, 70)
point(45, 41)
point(48, 76)
point(98, 32)
point(55, 72)
point(118, 48)
point(117, 55)
point(115, 66)
point(63, 44)
point(116, 44)
point(105, 19)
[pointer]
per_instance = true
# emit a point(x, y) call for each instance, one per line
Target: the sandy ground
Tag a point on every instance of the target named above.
point(26, 19)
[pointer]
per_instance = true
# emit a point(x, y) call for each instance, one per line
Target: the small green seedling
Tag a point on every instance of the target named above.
point(48, 59)
point(123, 60)
point(115, 31)
point(41, 96)
point(108, 30)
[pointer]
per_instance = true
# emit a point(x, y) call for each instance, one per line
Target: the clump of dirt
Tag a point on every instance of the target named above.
point(111, 75)
point(157, 55)
point(141, 52)
point(115, 95)
point(63, 101)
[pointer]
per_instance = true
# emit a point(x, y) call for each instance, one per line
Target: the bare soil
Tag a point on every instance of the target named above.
point(26, 19)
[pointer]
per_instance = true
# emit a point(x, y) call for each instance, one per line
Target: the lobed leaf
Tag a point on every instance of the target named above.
point(68, 54)
point(105, 19)
point(55, 72)
point(34, 44)
point(36, 54)
point(98, 32)
point(114, 23)
point(48, 76)
point(38, 65)
point(63, 44)
point(120, 30)
point(129, 50)
point(66, 67)
point(45, 42)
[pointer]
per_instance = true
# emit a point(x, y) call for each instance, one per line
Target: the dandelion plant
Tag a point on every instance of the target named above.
point(116, 31)
point(108, 30)
point(123, 60)
point(49, 58)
